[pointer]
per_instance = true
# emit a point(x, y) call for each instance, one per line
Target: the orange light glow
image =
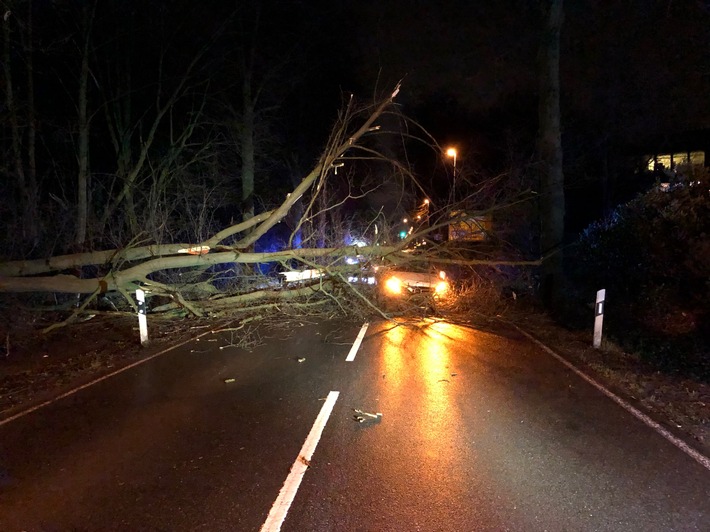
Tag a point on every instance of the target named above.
point(393, 285)
point(435, 374)
point(393, 362)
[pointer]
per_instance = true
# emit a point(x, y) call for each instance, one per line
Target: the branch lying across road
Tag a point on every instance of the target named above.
point(195, 289)
point(117, 256)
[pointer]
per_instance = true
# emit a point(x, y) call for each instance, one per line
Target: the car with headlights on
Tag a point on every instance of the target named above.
point(401, 281)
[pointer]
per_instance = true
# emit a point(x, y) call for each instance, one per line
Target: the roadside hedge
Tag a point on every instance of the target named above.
point(653, 257)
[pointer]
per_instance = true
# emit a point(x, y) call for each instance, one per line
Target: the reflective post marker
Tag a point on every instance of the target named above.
point(142, 318)
point(599, 317)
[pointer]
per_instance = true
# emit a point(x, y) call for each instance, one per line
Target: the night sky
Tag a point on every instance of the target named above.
point(631, 72)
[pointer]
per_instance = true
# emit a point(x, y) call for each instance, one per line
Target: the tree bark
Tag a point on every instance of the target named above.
point(114, 257)
point(138, 274)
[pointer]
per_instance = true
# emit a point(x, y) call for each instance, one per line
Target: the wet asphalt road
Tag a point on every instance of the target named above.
point(481, 430)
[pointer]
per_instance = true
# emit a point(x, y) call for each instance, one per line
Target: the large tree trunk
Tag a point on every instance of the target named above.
point(11, 105)
point(21, 118)
point(32, 187)
point(549, 148)
point(247, 150)
point(83, 154)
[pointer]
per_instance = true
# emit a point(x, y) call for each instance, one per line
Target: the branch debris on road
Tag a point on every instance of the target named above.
point(362, 416)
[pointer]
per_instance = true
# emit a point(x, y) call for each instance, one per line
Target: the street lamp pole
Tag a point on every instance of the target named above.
point(451, 152)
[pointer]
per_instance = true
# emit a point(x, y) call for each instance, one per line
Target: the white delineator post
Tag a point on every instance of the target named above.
point(142, 318)
point(599, 317)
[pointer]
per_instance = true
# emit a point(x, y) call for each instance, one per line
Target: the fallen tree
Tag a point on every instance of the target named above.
point(135, 266)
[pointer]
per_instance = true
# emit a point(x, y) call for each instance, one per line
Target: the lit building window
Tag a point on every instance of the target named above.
point(676, 161)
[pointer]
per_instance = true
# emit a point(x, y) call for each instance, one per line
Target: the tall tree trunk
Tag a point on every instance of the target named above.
point(32, 215)
point(549, 148)
point(248, 155)
point(25, 185)
point(322, 218)
point(11, 105)
point(131, 213)
point(83, 154)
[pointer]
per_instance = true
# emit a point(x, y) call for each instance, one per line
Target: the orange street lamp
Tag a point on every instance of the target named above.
point(451, 152)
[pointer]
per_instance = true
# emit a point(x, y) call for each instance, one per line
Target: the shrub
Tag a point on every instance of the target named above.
point(653, 257)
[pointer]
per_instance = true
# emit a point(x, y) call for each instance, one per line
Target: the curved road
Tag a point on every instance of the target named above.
point(480, 430)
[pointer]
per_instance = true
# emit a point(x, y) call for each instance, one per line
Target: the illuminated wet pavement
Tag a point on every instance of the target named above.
point(479, 431)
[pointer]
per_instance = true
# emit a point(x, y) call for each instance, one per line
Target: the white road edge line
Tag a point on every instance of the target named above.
point(96, 381)
point(358, 341)
point(288, 491)
point(687, 449)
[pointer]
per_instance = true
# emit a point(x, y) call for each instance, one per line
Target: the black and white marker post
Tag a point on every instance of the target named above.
point(142, 317)
point(599, 317)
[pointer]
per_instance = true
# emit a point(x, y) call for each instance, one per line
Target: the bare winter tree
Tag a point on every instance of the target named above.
point(259, 58)
point(21, 155)
point(133, 144)
point(82, 218)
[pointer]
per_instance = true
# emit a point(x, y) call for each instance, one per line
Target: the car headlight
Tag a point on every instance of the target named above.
point(441, 287)
point(393, 285)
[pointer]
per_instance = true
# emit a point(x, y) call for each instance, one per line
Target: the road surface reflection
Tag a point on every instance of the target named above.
point(420, 391)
